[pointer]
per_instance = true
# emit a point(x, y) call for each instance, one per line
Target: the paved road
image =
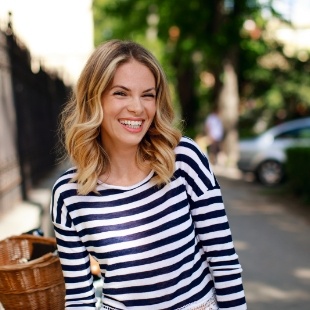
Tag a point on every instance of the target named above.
point(272, 237)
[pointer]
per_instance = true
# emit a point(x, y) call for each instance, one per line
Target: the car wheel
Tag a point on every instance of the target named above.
point(270, 172)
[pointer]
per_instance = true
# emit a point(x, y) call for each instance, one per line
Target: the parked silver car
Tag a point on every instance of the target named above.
point(265, 154)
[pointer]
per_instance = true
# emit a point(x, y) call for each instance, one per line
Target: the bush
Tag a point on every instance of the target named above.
point(298, 171)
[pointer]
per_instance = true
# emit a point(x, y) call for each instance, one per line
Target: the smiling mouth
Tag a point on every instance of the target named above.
point(131, 124)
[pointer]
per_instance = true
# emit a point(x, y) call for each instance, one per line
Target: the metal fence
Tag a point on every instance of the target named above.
point(30, 103)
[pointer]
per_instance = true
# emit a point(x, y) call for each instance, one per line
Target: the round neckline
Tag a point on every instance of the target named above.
point(111, 186)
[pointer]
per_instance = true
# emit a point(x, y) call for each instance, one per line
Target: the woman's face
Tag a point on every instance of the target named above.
point(129, 106)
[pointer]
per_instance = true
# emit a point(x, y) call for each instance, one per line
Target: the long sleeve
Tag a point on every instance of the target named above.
point(212, 227)
point(159, 247)
point(74, 258)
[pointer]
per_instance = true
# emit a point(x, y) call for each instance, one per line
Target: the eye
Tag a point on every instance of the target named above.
point(149, 95)
point(119, 93)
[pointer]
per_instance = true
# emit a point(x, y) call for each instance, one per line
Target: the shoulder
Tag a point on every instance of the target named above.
point(187, 146)
point(62, 189)
point(191, 162)
point(64, 180)
point(189, 151)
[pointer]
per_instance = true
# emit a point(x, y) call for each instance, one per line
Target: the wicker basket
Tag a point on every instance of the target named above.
point(30, 274)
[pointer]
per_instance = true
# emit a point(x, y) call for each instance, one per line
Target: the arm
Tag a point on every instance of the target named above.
point(74, 258)
point(212, 228)
point(214, 233)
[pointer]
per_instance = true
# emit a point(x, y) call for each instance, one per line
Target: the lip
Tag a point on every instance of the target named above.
point(134, 128)
point(131, 119)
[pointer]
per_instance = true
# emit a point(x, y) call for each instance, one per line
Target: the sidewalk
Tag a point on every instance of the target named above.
point(34, 213)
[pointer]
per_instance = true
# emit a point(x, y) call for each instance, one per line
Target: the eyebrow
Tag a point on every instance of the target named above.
point(125, 88)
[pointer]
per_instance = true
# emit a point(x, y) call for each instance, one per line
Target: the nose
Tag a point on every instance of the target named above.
point(135, 105)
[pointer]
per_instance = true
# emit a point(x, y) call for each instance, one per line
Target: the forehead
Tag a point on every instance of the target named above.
point(133, 70)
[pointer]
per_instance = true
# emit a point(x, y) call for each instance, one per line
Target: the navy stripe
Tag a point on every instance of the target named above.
point(229, 277)
point(232, 303)
point(226, 263)
point(146, 247)
point(210, 215)
point(152, 259)
point(229, 290)
point(213, 228)
point(179, 292)
point(128, 225)
point(144, 222)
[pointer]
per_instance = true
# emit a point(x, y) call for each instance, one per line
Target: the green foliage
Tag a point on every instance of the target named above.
point(194, 37)
point(282, 83)
point(298, 171)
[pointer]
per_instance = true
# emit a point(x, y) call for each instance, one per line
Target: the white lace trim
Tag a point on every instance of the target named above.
point(210, 304)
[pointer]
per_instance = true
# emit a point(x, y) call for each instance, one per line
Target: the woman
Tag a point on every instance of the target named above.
point(141, 198)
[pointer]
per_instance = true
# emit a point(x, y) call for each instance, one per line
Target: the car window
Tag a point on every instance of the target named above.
point(295, 134)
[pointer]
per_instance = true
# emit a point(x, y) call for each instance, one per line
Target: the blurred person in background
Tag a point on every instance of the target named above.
point(214, 131)
point(141, 198)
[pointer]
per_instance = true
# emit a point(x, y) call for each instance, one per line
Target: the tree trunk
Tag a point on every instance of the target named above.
point(187, 95)
point(228, 103)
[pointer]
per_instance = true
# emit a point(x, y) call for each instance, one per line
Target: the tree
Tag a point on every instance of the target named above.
point(210, 52)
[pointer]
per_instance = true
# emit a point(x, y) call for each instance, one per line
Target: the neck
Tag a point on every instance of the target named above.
point(124, 170)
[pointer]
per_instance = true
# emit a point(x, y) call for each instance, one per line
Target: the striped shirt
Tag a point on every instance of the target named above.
point(159, 247)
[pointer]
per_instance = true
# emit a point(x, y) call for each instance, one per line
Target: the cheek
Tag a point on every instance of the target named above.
point(152, 110)
point(110, 108)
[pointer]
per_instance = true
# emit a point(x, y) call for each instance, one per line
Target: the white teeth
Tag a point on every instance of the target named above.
point(131, 124)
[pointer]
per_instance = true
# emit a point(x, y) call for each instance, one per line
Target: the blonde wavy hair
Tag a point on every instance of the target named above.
point(82, 117)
